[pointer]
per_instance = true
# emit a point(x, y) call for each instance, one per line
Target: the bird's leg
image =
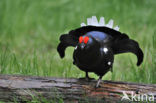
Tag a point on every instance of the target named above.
point(74, 62)
point(98, 82)
point(87, 77)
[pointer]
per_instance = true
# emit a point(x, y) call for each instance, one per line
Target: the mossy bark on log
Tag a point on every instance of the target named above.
point(23, 88)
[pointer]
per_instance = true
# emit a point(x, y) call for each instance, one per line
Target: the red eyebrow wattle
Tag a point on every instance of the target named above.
point(86, 39)
point(80, 39)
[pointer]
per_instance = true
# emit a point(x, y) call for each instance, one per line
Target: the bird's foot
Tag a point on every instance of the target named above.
point(90, 79)
point(97, 86)
point(98, 82)
point(87, 79)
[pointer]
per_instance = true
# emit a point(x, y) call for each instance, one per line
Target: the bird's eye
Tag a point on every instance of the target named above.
point(86, 39)
point(80, 39)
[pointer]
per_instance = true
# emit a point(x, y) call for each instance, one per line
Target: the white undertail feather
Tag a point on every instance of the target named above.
point(94, 22)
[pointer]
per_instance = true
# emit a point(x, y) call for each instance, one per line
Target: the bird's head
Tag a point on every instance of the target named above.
point(87, 51)
point(87, 43)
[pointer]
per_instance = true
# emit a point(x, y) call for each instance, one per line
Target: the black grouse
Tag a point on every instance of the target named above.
point(95, 46)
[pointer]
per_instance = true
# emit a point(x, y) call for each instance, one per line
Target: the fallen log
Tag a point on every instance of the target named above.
point(25, 88)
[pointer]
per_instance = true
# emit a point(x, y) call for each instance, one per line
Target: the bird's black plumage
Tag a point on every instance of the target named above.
point(97, 55)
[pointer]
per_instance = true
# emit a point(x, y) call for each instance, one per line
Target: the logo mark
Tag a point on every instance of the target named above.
point(137, 97)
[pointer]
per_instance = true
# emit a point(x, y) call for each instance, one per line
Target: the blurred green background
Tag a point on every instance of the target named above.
point(30, 30)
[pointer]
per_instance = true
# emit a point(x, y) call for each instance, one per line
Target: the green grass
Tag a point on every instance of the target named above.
point(30, 30)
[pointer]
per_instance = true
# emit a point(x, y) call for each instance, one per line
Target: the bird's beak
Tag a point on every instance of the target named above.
point(82, 46)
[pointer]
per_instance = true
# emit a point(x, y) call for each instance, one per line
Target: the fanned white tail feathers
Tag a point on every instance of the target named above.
point(94, 22)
